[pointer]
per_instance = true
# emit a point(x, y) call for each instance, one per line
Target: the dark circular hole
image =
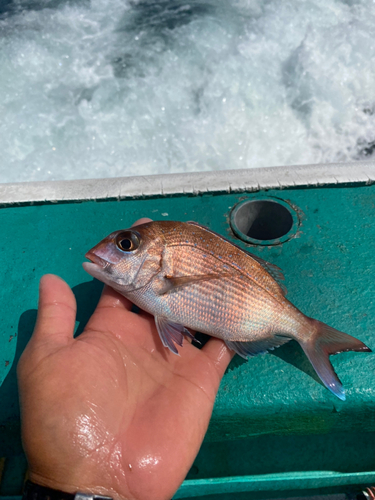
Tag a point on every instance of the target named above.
point(263, 219)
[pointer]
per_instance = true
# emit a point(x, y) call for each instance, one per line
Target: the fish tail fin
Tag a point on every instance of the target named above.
point(321, 344)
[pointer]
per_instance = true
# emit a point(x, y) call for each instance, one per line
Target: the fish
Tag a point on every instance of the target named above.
point(189, 277)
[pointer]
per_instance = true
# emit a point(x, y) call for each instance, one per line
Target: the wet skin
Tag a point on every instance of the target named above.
point(113, 411)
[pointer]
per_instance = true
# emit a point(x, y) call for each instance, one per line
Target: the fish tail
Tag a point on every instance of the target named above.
point(323, 342)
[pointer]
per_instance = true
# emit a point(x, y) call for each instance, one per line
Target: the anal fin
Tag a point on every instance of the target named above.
point(254, 347)
point(171, 333)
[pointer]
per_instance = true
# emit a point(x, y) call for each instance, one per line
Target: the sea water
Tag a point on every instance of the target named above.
point(106, 88)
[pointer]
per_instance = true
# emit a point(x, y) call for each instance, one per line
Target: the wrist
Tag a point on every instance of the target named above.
point(70, 488)
point(35, 491)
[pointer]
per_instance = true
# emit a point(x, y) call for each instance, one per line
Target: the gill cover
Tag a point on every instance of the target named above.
point(126, 260)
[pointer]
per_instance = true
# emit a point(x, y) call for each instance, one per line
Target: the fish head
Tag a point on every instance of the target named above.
point(127, 259)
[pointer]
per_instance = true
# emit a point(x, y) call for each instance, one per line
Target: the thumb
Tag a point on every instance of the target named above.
point(56, 312)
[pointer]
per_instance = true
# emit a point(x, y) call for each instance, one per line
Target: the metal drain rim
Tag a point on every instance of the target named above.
point(264, 242)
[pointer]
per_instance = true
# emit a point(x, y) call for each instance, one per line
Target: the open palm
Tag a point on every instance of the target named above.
point(112, 412)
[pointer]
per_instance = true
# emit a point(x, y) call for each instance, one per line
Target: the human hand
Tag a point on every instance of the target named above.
point(112, 412)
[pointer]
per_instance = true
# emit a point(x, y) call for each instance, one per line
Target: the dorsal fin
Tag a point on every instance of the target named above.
point(273, 270)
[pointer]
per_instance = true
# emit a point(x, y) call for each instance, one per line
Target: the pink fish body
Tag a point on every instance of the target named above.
point(188, 276)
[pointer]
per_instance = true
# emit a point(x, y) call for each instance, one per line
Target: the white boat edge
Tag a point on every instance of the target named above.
point(192, 183)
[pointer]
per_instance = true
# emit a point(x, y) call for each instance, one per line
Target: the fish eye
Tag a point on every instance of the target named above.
point(127, 241)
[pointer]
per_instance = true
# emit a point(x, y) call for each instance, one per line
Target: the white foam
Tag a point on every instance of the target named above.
point(113, 88)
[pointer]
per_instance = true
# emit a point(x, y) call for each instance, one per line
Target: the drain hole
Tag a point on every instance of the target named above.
point(262, 220)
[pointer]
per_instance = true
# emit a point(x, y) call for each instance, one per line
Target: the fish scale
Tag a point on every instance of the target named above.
point(231, 315)
point(188, 276)
point(232, 255)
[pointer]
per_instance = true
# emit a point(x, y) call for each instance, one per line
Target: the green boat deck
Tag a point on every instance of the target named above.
point(275, 429)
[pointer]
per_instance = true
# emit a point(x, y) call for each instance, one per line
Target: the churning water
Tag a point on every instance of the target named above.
point(107, 88)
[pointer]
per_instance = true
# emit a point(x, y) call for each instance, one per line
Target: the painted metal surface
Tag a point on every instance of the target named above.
point(270, 483)
point(271, 412)
point(196, 183)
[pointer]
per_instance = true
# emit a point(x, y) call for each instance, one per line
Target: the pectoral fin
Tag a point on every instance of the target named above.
point(170, 283)
point(171, 333)
point(273, 270)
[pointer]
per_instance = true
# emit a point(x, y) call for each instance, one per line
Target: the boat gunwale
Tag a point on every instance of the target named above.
point(190, 183)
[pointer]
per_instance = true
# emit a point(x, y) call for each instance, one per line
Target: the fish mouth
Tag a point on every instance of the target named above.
point(95, 259)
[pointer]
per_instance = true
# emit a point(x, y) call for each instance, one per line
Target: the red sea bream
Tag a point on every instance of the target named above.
point(188, 276)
